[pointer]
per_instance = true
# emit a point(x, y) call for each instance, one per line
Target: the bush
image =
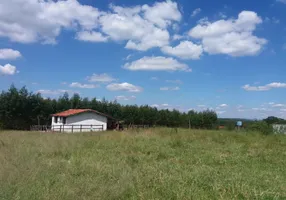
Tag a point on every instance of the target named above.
point(230, 126)
point(261, 126)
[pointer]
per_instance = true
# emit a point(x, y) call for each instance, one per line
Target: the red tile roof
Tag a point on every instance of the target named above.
point(78, 111)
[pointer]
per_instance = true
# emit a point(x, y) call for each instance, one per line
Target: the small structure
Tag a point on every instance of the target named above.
point(81, 120)
point(279, 128)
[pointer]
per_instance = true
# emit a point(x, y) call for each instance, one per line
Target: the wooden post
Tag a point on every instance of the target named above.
point(91, 128)
point(102, 127)
point(80, 127)
point(60, 128)
point(72, 128)
point(63, 128)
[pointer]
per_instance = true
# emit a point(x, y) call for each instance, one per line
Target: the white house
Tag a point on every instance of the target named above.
point(81, 120)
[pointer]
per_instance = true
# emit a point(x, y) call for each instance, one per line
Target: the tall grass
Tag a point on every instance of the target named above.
point(145, 164)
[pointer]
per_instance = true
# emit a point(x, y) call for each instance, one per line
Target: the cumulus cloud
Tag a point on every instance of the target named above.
point(169, 88)
point(231, 37)
point(142, 27)
point(162, 13)
point(8, 69)
point(156, 64)
point(125, 98)
point(264, 87)
point(91, 36)
point(178, 37)
point(43, 21)
point(9, 54)
point(223, 105)
point(185, 50)
point(103, 78)
point(83, 86)
point(196, 12)
point(124, 87)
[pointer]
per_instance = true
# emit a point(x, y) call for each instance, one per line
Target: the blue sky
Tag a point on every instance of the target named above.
point(225, 55)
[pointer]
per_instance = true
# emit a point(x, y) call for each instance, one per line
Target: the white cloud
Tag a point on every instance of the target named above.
point(231, 37)
point(169, 88)
point(55, 92)
point(223, 105)
point(175, 81)
point(156, 64)
point(124, 87)
point(261, 109)
point(128, 57)
point(201, 106)
point(196, 12)
point(125, 98)
point(10, 54)
point(8, 69)
point(80, 85)
point(264, 87)
point(103, 78)
point(177, 37)
point(162, 13)
point(278, 105)
point(220, 112)
point(222, 15)
point(165, 105)
point(91, 36)
point(143, 27)
point(282, 1)
point(43, 21)
point(185, 50)
point(154, 78)
point(155, 105)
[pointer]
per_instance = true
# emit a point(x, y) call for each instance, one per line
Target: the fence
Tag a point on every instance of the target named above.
point(67, 128)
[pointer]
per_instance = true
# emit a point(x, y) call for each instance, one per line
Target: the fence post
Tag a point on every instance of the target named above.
point(91, 128)
point(80, 127)
point(72, 128)
point(60, 128)
point(63, 128)
point(101, 127)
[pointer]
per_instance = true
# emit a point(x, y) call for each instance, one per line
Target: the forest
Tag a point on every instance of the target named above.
point(20, 108)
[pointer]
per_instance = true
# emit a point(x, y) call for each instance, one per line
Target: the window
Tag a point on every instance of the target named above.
point(56, 119)
point(64, 120)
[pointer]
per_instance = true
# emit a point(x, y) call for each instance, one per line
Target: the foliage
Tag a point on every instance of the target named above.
point(261, 126)
point(189, 164)
point(19, 109)
point(274, 120)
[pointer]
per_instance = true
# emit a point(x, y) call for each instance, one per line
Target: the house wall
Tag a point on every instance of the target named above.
point(84, 122)
point(279, 128)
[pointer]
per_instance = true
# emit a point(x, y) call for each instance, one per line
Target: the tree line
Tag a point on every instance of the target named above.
point(19, 109)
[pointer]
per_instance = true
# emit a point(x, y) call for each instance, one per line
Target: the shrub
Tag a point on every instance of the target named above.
point(261, 126)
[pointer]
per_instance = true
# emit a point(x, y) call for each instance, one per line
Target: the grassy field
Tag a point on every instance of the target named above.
point(148, 164)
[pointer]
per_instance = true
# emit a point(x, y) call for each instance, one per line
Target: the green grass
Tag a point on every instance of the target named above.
point(148, 164)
